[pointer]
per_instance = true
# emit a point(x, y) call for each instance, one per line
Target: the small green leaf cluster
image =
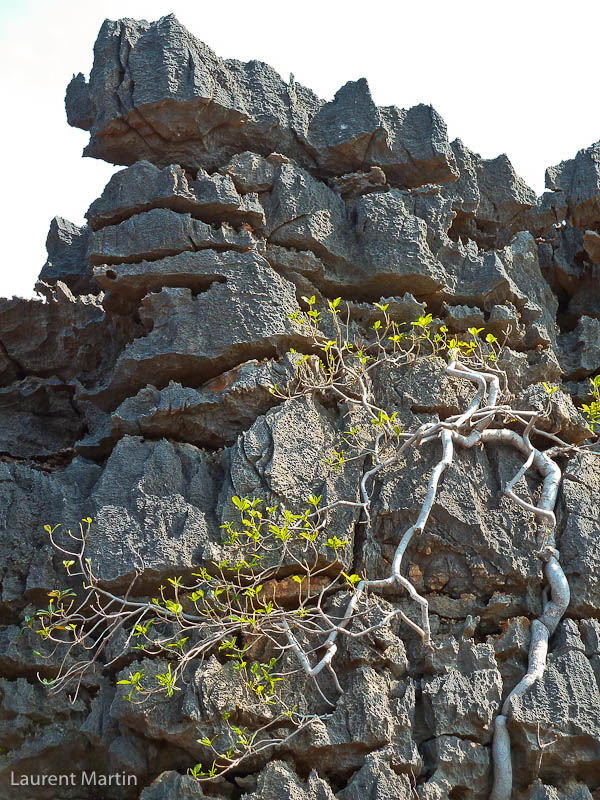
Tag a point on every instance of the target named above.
point(134, 680)
point(262, 681)
point(270, 529)
point(472, 347)
point(592, 409)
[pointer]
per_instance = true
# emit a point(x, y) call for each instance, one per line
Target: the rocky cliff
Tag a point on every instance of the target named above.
point(137, 391)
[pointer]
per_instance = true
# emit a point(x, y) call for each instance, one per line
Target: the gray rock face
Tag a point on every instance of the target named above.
point(37, 418)
point(216, 108)
point(489, 198)
point(579, 539)
point(560, 414)
point(578, 181)
point(251, 172)
point(54, 338)
point(461, 766)
point(580, 349)
point(31, 498)
point(250, 309)
point(213, 415)
point(172, 784)
point(67, 257)
point(138, 514)
point(140, 392)
point(568, 674)
point(143, 186)
point(247, 106)
point(127, 284)
point(576, 791)
point(375, 245)
point(354, 184)
point(462, 701)
point(352, 132)
point(279, 780)
point(265, 461)
point(159, 233)
point(377, 779)
point(303, 212)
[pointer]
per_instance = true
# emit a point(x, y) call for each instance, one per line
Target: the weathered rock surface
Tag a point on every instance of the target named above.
point(211, 416)
point(462, 701)
point(580, 349)
point(377, 779)
point(354, 184)
point(37, 418)
point(488, 198)
point(373, 246)
point(190, 338)
point(140, 515)
point(216, 108)
point(279, 780)
point(141, 187)
point(172, 784)
point(54, 338)
point(139, 392)
point(67, 257)
point(567, 675)
point(462, 767)
point(251, 172)
point(265, 461)
point(579, 541)
point(127, 284)
point(159, 233)
point(351, 132)
point(578, 180)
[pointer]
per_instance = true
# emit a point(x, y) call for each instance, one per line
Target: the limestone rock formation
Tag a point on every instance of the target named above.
point(138, 391)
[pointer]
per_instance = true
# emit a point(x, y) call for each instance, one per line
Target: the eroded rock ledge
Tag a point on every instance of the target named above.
point(137, 391)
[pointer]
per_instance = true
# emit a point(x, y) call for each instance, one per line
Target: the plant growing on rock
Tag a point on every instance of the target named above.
point(266, 605)
point(592, 410)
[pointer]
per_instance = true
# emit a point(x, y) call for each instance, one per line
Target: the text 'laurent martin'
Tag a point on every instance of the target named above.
point(75, 779)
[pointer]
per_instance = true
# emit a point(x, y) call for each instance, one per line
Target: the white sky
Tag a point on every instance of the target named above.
point(515, 77)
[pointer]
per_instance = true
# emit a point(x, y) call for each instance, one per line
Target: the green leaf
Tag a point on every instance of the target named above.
point(336, 543)
point(423, 321)
point(241, 503)
point(475, 332)
point(549, 389)
point(352, 580)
